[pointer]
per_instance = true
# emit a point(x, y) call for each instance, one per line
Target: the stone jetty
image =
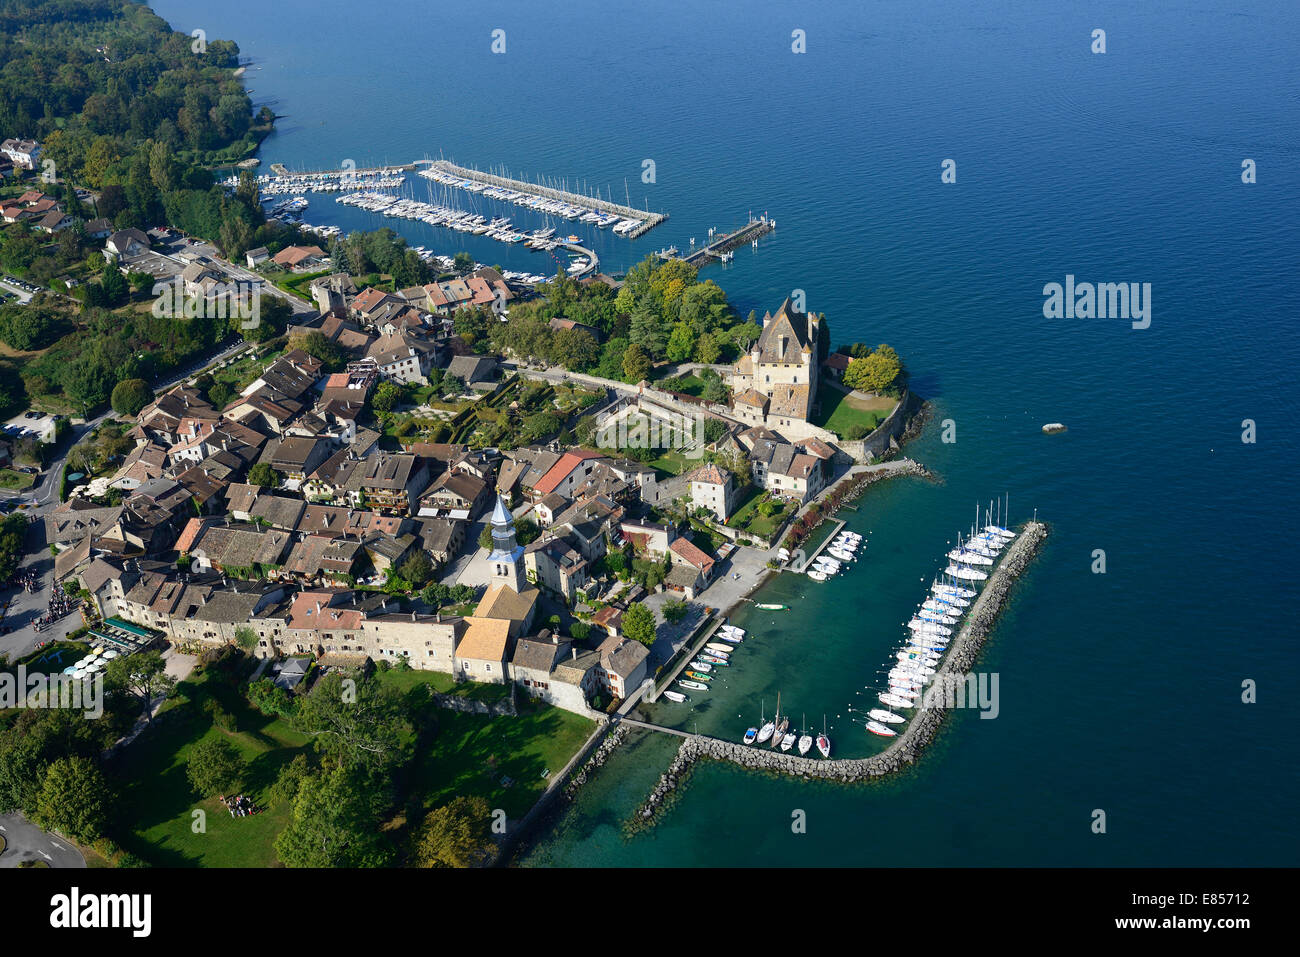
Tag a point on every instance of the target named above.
point(907, 747)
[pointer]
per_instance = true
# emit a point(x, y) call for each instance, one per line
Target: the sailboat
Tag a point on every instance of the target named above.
point(823, 742)
point(766, 727)
point(805, 741)
point(781, 723)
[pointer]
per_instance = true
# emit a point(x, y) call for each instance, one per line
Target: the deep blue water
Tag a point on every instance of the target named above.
point(1118, 691)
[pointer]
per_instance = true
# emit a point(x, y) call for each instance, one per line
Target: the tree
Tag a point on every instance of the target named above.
point(485, 537)
point(674, 611)
point(636, 364)
point(681, 344)
point(541, 424)
point(878, 372)
point(386, 397)
point(246, 638)
point(452, 384)
point(334, 824)
point(143, 676)
point(358, 722)
point(458, 834)
point(215, 766)
point(462, 262)
point(417, 569)
point(263, 476)
point(639, 624)
point(74, 799)
point(270, 699)
point(130, 396)
point(707, 349)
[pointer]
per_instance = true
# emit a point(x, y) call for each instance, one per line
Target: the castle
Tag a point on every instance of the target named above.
point(775, 384)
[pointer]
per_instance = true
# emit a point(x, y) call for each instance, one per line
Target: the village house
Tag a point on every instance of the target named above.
point(713, 488)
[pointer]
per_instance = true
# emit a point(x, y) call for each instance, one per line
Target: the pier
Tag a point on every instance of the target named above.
point(722, 245)
point(279, 169)
point(648, 219)
point(651, 690)
point(920, 729)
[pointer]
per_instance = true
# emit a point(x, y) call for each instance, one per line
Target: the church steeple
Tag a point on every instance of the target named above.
point(507, 554)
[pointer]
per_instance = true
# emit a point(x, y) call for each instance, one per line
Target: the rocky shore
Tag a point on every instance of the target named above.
point(905, 749)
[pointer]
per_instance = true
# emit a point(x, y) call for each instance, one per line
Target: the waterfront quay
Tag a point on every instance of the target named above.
point(646, 220)
point(920, 730)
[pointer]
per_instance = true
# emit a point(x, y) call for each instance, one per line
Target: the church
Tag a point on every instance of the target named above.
point(508, 596)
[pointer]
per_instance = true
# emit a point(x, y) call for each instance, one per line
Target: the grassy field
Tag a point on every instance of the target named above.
point(406, 679)
point(15, 481)
point(747, 517)
point(499, 759)
point(840, 412)
point(690, 383)
point(157, 804)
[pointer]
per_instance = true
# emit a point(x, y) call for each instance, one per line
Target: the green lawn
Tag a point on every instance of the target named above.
point(154, 816)
point(690, 383)
point(15, 481)
point(470, 754)
point(747, 517)
point(674, 462)
point(840, 412)
point(406, 679)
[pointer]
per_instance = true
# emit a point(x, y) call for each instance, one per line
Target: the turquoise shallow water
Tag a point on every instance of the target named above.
point(1118, 691)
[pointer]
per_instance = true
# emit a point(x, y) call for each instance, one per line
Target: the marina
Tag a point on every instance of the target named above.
point(906, 743)
point(623, 219)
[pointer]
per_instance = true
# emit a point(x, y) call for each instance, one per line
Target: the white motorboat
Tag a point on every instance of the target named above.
point(719, 649)
point(839, 554)
point(698, 665)
point(675, 696)
point(788, 741)
point(816, 575)
point(885, 717)
point(829, 564)
point(875, 727)
point(733, 629)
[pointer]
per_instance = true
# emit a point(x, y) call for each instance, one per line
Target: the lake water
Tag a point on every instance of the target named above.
point(1118, 691)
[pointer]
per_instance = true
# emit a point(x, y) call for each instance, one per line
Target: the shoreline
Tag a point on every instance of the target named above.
point(903, 752)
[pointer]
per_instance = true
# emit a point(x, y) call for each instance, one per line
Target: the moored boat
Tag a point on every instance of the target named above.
point(885, 717)
point(693, 685)
point(875, 727)
point(788, 741)
point(751, 735)
point(696, 676)
point(893, 700)
point(718, 649)
point(675, 696)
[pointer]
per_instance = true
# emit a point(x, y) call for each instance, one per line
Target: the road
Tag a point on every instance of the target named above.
point(27, 842)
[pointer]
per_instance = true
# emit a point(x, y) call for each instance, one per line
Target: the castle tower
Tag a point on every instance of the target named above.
point(507, 554)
